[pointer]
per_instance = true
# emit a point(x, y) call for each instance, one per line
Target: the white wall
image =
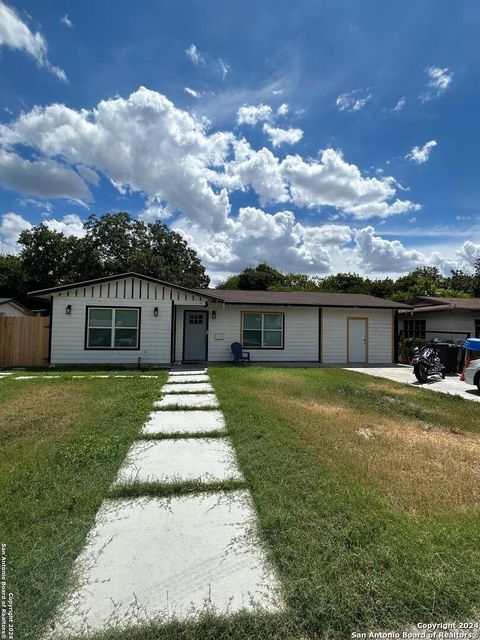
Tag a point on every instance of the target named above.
point(68, 331)
point(8, 309)
point(453, 321)
point(301, 333)
point(334, 334)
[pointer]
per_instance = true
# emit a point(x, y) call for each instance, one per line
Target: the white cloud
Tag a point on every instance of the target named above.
point(15, 34)
point(223, 68)
point(142, 143)
point(400, 104)
point(42, 178)
point(260, 170)
point(282, 136)
point(353, 100)
point(276, 238)
point(420, 155)
point(69, 225)
point(333, 182)
point(385, 256)
point(66, 21)
point(438, 82)
point(283, 109)
point(468, 253)
point(11, 227)
point(251, 114)
point(193, 92)
point(194, 54)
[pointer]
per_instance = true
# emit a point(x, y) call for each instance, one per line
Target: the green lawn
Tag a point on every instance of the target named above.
point(367, 492)
point(62, 441)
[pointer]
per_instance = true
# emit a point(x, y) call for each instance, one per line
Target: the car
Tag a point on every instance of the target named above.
point(472, 373)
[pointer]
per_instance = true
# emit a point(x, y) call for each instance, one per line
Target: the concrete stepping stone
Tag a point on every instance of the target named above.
point(184, 379)
point(187, 400)
point(186, 459)
point(160, 559)
point(188, 387)
point(165, 422)
point(188, 372)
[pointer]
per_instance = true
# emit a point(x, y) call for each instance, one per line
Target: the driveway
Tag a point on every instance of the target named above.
point(404, 373)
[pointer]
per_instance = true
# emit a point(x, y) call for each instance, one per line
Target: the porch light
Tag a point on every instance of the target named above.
point(214, 315)
point(155, 312)
point(68, 309)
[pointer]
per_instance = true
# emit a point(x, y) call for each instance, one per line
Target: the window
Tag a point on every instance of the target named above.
point(477, 328)
point(263, 330)
point(415, 328)
point(196, 318)
point(112, 328)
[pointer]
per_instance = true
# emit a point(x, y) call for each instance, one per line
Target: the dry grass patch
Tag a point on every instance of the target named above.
point(418, 467)
point(40, 411)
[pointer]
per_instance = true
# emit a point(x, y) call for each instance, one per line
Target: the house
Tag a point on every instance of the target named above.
point(9, 307)
point(135, 319)
point(445, 318)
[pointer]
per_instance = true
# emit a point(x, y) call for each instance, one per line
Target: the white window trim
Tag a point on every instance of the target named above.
point(262, 329)
point(112, 328)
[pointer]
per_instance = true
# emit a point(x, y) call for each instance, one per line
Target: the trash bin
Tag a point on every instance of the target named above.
point(448, 354)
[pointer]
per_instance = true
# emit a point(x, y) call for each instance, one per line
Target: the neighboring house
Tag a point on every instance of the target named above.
point(8, 307)
point(445, 318)
point(131, 318)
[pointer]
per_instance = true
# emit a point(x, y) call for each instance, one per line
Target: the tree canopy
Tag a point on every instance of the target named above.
point(113, 243)
point(423, 281)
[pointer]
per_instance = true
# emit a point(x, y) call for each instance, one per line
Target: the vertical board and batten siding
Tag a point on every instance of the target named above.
point(300, 333)
point(68, 331)
point(334, 334)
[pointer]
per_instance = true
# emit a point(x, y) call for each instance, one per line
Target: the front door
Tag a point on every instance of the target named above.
point(357, 340)
point(195, 336)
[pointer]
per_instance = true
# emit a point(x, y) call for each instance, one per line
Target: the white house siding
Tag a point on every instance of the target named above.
point(10, 310)
point(454, 322)
point(68, 331)
point(334, 334)
point(300, 338)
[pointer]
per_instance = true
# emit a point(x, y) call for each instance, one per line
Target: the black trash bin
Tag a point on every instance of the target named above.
point(448, 354)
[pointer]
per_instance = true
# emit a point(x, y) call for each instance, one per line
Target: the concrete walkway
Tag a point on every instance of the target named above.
point(451, 385)
point(160, 559)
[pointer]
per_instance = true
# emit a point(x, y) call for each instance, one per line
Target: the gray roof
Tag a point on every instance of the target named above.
point(303, 299)
point(427, 304)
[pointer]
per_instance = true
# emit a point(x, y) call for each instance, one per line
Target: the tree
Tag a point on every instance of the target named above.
point(125, 244)
point(11, 277)
point(460, 281)
point(476, 279)
point(260, 278)
point(344, 283)
point(114, 243)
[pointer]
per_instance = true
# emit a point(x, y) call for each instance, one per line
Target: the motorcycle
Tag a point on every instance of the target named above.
point(426, 362)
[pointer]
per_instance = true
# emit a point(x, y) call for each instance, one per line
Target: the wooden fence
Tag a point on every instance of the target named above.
point(24, 341)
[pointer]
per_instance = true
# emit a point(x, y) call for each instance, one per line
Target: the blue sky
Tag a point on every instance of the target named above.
point(319, 136)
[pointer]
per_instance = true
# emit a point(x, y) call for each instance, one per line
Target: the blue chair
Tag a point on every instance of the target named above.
point(239, 355)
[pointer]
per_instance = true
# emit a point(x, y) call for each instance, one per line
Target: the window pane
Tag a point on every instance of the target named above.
point(252, 321)
point(100, 318)
point(271, 321)
point(126, 338)
point(100, 338)
point(126, 317)
point(252, 338)
point(272, 338)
